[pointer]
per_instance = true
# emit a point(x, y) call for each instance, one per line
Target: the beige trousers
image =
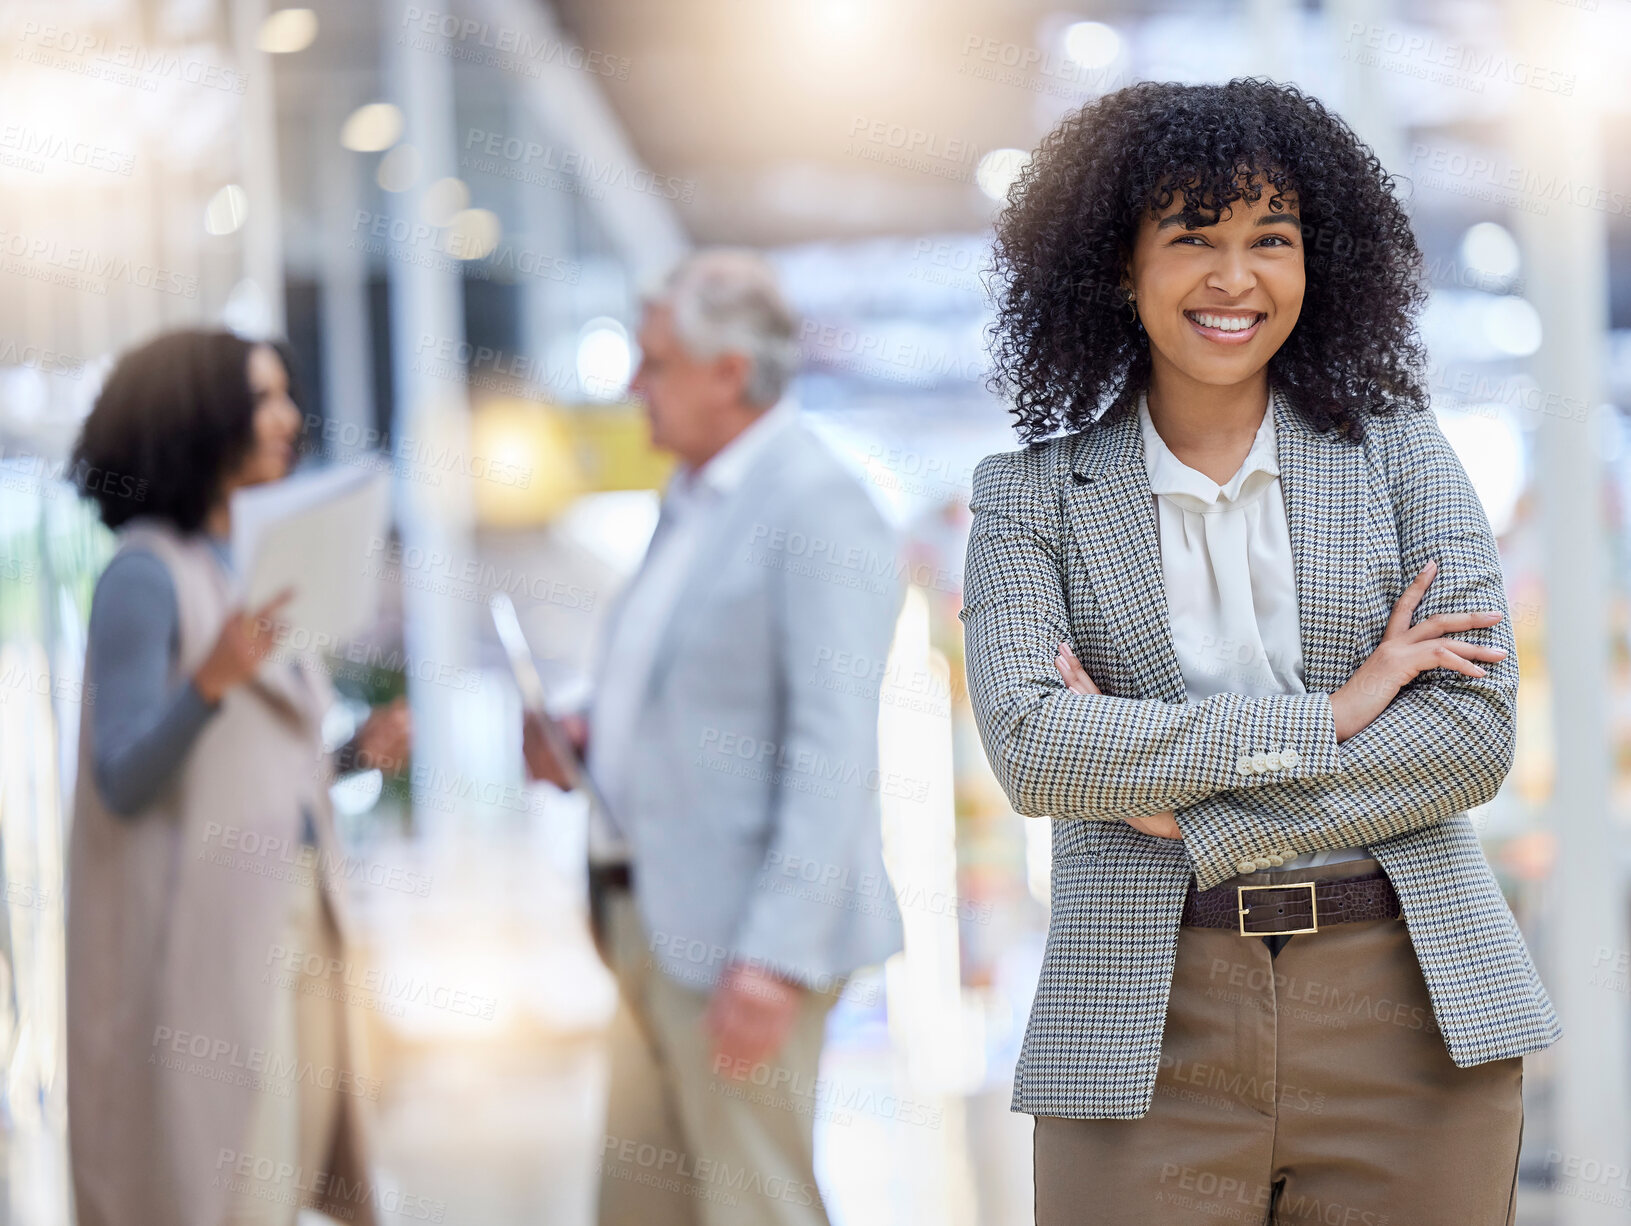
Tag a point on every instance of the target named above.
point(295, 1116)
point(1308, 1087)
point(686, 1144)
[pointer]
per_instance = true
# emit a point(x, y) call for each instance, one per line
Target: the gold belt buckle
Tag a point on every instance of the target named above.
point(1313, 907)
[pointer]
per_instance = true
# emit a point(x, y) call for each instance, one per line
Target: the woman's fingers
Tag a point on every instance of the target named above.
point(1073, 683)
point(1443, 655)
point(1075, 679)
point(1071, 670)
point(1160, 825)
point(1452, 623)
point(1405, 607)
point(1454, 655)
point(1474, 651)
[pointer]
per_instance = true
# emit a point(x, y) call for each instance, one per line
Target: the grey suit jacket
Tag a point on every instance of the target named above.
point(1064, 546)
point(754, 815)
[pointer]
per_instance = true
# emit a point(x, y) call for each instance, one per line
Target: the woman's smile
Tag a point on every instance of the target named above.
point(1225, 327)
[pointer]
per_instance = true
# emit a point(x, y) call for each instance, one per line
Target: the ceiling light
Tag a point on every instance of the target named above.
point(998, 170)
point(287, 31)
point(227, 210)
point(372, 128)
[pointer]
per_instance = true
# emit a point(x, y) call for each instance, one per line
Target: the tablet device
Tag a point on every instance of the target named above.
point(535, 700)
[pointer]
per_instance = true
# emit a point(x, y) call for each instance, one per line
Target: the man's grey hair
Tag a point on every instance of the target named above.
point(728, 300)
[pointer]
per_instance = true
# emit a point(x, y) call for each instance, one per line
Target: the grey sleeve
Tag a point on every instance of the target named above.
point(141, 726)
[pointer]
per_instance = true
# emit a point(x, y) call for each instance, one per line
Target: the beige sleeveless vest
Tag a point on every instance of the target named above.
point(174, 917)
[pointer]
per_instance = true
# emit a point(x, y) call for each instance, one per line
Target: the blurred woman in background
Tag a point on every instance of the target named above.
point(212, 1069)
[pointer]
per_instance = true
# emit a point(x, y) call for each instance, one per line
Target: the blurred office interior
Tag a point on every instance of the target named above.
point(451, 208)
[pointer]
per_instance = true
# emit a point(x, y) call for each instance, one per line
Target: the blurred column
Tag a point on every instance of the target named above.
point(1365, 103)
point(934, 1024)
point(548, 307)
point(1272, 23)
point(261, 234)
point(569, 105)
point(348, 386)
point(1558, 139)
point(429, 421)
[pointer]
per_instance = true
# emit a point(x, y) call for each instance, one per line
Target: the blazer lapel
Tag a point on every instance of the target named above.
point(1323, 483)
point(1111, 511)
point(714, 556)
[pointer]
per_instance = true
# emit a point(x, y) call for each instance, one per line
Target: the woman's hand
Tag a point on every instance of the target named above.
point(386, 738)
point(1163, 825)
point(1405, 652)
point(245, 640)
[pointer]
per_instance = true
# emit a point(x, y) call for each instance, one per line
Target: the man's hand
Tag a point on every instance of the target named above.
point(541, 761)
point(748, 1018)
point(1163, 825)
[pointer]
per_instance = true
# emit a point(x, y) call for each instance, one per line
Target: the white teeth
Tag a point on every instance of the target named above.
point(1223, 323)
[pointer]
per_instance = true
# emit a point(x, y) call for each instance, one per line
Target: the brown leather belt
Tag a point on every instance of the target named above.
point(604, 879)
point(615, 876)
point(1303, 906)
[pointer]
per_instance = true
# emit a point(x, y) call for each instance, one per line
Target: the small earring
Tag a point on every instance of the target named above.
point(1132, 310)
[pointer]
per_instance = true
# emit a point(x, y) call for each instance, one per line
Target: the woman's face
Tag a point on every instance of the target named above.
point(1219, 301)
point(276, 421)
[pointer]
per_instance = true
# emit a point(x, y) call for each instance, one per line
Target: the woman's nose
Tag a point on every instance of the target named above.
point(1231, 274)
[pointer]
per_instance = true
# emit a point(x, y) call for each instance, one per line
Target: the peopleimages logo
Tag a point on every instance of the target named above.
point(50, 146)
point(526, 49)
point(69, 260)
point(526, 153)
point(124, 63)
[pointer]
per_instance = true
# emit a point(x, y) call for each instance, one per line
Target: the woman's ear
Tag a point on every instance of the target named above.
point(1125, 285)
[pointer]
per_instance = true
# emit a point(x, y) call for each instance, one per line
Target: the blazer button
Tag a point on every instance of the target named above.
point(1260, 762)
point(1263, 862)
point(1245, 866)
point(1274, 759)
point(1243, 766)
point(1276, 861)
point(1289, 756)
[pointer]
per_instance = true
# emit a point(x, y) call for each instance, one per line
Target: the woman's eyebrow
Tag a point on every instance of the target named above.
point(1267, 219)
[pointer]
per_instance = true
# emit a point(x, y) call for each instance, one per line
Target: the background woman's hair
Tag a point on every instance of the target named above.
point(1065, 347)
point(174, 417)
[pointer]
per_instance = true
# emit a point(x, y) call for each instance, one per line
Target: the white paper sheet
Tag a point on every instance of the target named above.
point(314, 533)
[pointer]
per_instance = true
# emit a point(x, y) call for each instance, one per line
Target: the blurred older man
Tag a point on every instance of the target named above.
point(737, 879)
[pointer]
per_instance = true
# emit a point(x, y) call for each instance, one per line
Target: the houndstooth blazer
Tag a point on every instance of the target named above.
point(1064, 547)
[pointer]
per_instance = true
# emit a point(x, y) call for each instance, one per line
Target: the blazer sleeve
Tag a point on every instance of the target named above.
point(1444, 743)
point(1066, 755)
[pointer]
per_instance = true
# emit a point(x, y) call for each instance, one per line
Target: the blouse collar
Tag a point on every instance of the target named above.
point(1195, 491)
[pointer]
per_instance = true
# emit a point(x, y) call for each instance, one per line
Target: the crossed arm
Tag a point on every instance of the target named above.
point(1096, 757)
point(1441, 745)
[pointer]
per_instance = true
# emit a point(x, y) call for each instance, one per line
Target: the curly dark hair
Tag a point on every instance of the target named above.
point(1065, 347)
point(175, 417)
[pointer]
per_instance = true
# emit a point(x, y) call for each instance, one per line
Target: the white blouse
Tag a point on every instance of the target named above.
point(1231, 588)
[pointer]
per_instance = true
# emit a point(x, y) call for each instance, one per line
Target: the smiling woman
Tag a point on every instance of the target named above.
point(1155, 172)
point(1172, 632)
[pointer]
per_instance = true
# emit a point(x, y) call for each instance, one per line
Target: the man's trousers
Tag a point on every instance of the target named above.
point(686, 1143)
